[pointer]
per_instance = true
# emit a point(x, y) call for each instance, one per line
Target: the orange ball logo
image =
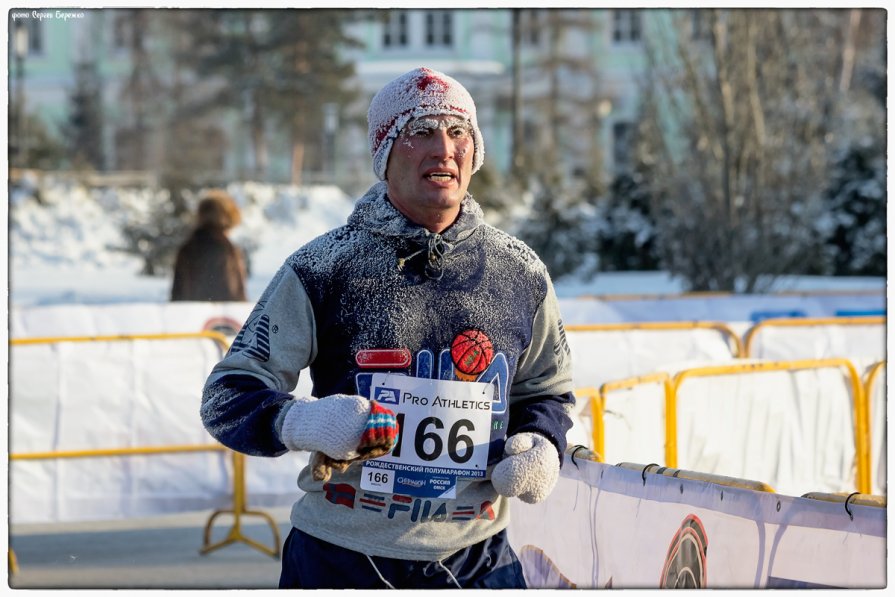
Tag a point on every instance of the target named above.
point(471, 352)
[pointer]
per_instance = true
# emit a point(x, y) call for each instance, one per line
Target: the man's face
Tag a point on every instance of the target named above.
point(429, 168)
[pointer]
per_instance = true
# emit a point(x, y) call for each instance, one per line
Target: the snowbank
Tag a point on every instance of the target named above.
point(66, 248)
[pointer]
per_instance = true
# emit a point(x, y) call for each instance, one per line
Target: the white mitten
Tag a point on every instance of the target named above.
point(332, 425)
point(340, 428)
point(529, 469)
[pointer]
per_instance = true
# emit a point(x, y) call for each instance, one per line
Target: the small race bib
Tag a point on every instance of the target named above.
point(444, 428)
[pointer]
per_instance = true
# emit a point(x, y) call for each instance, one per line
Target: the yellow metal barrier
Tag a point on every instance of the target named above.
point(599, 403)
point(657, 297)
point(725, 330)
point(832, 292)
point(862, 421)
point(239, 492)
point(697, 476)
point(219, 338)
point(11, 560)
point(138, 451)
point(749, 337)
point(870, 378)
point(725, 294)
point(596, 410)
point(239, 510)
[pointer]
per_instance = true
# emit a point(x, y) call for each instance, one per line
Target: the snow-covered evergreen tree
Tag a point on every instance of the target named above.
point(560, 226)
point(627, 230)
point(855, 223)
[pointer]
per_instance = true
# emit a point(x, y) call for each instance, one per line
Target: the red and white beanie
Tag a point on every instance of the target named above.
point(420, 92)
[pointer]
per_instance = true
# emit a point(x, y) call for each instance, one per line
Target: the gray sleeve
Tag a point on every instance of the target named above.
point(545, 367)
point(278, 339)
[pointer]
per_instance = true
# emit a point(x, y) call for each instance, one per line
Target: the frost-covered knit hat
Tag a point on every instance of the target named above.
point(420, 92)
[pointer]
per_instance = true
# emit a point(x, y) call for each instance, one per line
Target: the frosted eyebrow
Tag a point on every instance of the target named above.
point(429, 125)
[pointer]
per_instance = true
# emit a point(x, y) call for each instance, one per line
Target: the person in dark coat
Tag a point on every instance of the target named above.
point(209, 267)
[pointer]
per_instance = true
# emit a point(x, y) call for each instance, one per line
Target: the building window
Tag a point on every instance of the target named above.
point(120, 32)
point(699, 24)
point(622, 133)
point(530, 133)
point(625, 26)
point(439, 28)
point(395, 34)
point(531, 22)
point(35, 37)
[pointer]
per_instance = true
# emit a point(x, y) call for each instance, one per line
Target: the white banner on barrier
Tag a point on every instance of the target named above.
point(736, 307)
point(789, 343)
point(607, 527)
point(82, 396)
point(604, 355)
point(127, 318)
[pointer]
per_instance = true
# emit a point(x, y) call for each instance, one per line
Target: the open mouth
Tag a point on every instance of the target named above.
point(440, 176)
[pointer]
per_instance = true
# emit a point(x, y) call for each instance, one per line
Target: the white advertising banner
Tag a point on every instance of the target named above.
point(789, 343)
point(605, 355)
point(609, 527)
point(126, 318)
point(86, 396)
point(700, 307)
point(793, 430)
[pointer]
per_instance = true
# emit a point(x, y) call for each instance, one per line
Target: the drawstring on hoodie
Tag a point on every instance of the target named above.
point(391, 586)
point(379, 574)
point(451, 574)
point(436, 248)
point(376, 214)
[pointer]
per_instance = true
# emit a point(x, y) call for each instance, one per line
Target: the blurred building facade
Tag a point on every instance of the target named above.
point(563, 79)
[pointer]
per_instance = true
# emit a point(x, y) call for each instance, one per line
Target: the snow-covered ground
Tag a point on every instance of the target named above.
point(67, 251)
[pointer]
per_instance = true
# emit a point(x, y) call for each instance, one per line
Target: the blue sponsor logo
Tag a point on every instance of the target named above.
point(387, 395)
point(411, 482)
point(759, 316)
point(860, 312)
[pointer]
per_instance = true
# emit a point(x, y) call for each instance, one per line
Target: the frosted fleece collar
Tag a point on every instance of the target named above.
point(375, 213)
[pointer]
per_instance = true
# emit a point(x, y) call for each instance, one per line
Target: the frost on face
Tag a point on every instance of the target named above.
point(457, 128)
point(423, 127)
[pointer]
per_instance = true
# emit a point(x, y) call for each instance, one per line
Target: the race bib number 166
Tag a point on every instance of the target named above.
point(444, 428)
